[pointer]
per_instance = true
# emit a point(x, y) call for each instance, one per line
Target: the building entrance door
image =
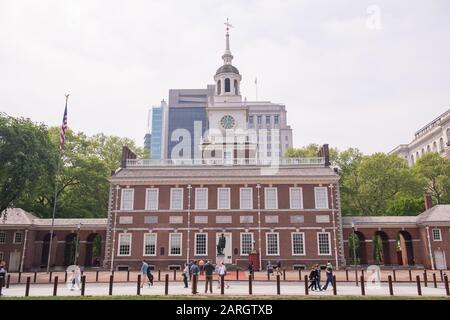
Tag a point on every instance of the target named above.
point(14, 261)
point(439, 259)
point(228, 252)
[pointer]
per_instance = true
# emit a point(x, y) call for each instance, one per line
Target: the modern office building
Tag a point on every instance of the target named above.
point(154, 139)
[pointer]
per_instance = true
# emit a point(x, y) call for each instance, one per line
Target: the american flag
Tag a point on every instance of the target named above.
point(62, 135)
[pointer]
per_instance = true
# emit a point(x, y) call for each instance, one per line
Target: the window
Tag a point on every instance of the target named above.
point(201, 198)
point(223, 198)
point(127, 199)
point(227, 85)
point(272, 245)
point(236, 87)
point(246, 198)
point(124, 244)
point(201, 244)
point(276, 119)
point(219, 87)
point(176, 198)
point(267, 119)
point(271, 198)
point(2, 237)
point(175, 244)
point(151, 199)
point(250, 119)
point(18, 236)
point(323, 243)
point(295, 196)
point(259, 119)
point(298, 243)
point(437, 236)
point(150, 244)
point(321, 197)
point(246, 243)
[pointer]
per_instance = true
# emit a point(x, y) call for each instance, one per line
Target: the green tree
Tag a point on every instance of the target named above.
point(434, 171)
point(26, 158)
point(310, 151)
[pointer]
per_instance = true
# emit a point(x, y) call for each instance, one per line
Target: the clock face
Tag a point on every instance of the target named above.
point(227, 122)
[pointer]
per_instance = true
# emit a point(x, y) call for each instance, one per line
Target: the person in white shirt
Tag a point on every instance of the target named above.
point(222, 271)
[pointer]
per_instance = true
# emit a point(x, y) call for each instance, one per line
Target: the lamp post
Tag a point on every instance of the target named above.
point(258, 188)
point(429, 247)
point(113, 251)
point(189, 187)
point(77, 243)
point(353, 244)
point(334, 227)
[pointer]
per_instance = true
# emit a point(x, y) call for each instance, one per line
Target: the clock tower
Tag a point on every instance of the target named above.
point(228, 138)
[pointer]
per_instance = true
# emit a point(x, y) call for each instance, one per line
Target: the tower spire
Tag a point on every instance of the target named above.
point(227, 56)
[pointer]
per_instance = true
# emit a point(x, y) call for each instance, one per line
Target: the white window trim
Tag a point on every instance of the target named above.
point(218, 198)
point(196, 204)
point(171, 196)
point(14, 237)
point(251, 198)
point(156, 244)
point(132, 199)
point(267, 244)
point(265, 198)
point(304, 244)
point(4, 241)
point(240, 244)
point(157, 199)
point(170, 245)
point(315, 197)
point(329, 244)
point(195, 244)
point(440, 234)
point(301, 197)
point(118, 244)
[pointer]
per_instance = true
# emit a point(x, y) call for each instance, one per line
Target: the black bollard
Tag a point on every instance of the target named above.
point(410, 275)
point(159, 275)
point(442, 275)
point(55, 286)
point(8, 279)
point(419, 289)
point(363, 289)
point(425, 279)
point(306, 285)
point(268, 276)
point(278, 284)
point(65, 277)
point(434, 280)
point(250, 289)
point(166, 285)
point(27, 287)
point(83, 284)
point(138, 284)
point(334, 286)
point(35, 276)
point(111, 281)
point(391, 289)
point(20, 276)
point(237, 274)
point(447, 290)
point(222, 284)
point(128, 275)
point(356, 277)
point(284, 274)
point(346, 274)
point(174, 274)
point(299, 274)
point(50, 277)
point(96, 276)
point(394, 274)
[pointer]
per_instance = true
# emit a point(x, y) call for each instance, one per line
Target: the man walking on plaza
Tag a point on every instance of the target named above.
point(2, 278)
point(186, 273)
point(194, 272)
point(209, 269)
point(329, 272)
point(144, 269)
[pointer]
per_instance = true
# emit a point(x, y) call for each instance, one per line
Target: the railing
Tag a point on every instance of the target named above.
point(319, 161)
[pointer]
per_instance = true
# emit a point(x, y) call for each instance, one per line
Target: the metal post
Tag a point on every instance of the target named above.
point(434, 280)
point(331, 186)
point(222, 284)
point(166, 285)
point(113, 250)
point(174, 274)
point(299, 274)
point(189, 187)
point(334, 286)
point(50, 277)
point(356, 277)
point(442, 275)
point(410, 275)
point(363, 289)
point(391, 289)
point(55, 286)
point(284, 274)
point(128, 275)
point(425, 279)
point(111, 281)
point(8, 279)
point(419, 289)
point(138, 284)
point(237, 274)
point(346, 274)
point(278, 284)
point(20, 276)
point(306, 285)
point(27, 287)
point(258, 188)
point(65, 277)
point(250, 291)
point(96, 276)
point(83, 284)
point(35, 275)
point(395, 276)
point(24, 250)
point(159, 275)
point(447, 290)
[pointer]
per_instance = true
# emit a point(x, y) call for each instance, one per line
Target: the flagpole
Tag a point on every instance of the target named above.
point(54, 202)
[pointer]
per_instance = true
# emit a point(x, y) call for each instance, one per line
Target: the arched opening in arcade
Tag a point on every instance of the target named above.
point(71, 249)
point(404, 247)
point(381, 254)
point(46, 248)
point(93, 250)
point(357, 248)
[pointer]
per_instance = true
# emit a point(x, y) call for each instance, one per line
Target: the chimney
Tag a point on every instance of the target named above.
point(428, 202)
point(324, 153)
point(127, 154)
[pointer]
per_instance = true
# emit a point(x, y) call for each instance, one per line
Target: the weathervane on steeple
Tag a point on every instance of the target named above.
point(229, 25)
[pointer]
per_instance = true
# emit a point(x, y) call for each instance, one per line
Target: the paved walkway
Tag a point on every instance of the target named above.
point(237, 288)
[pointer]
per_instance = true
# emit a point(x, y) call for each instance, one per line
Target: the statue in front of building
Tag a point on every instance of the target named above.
point(221, 245)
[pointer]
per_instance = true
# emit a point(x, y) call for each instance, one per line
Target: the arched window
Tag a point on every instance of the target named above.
point(423, 151)
point(448, 135)
point(417, 155)
point(236, 87)
point(435, 146)
point(219, 87)
point(227, 85)
point(412, 159)
point(441, 144)
point(428, 148)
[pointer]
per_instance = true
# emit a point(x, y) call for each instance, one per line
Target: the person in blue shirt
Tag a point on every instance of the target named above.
point(144, 270)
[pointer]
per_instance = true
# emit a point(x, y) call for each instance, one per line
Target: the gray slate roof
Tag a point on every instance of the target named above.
point(439, 213)
point(227, 68)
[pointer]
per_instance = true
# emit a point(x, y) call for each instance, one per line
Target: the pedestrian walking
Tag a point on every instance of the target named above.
point(194, 270)
point(186, 275)
point(329, 273)
point(312, 279)
point(318, 270)
point(269, 268)
point(201, 265)
point(209, 269)
point(144, 269)
point(222, 271)
point(76, 278)
point(149, 276)
point(2, 278)
point(279, 267)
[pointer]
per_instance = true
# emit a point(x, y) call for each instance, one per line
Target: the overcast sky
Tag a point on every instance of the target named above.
point(366, 74)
